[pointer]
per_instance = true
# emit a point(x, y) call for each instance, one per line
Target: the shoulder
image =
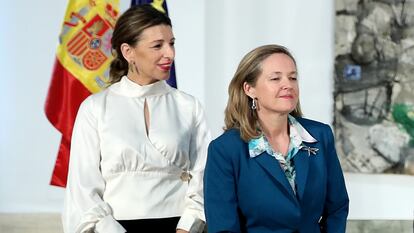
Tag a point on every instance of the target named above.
point(93, 103)
point(227, 147)
point(96, 97)
point(312, 125)
point(229, 140)
point(187, 103)
point(183, 97)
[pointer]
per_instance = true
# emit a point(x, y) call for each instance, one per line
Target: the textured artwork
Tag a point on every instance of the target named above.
point(374, 85)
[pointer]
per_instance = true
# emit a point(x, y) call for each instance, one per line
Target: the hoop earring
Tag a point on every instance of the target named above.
point(131, 66)
point(254, 104)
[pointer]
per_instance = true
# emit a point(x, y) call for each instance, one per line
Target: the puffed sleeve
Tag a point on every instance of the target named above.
point(220, 189)
point(84, 209)
point(193, 219)
point(337, 201)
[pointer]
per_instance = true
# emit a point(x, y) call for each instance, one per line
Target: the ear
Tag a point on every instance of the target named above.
point(127, 51)
point(249, 90)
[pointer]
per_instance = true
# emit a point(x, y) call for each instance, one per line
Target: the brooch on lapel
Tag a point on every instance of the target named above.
point(310, 150)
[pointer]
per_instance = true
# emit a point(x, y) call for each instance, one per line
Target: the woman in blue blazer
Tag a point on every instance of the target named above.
point(272, 170)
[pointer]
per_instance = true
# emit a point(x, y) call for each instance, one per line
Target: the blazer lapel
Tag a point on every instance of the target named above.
point(301, 161)
point(272, 166)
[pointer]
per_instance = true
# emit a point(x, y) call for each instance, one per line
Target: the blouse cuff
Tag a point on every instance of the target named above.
point(191, 224)
point(109, 225)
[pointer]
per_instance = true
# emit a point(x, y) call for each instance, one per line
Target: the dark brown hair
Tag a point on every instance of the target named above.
point(128, 29)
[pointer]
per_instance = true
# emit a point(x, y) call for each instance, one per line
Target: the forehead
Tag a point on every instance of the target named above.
point(278, 62)
point(158, 32)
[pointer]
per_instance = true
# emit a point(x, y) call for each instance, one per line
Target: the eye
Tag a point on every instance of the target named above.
point(172, 43)
point(157, 46)
point(275, 78)
point(294, 78)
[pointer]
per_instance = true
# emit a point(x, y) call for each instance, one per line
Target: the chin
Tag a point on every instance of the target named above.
point(286, 111)
point(164, 76)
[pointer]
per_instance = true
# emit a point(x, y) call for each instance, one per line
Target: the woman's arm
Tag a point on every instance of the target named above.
point(84, 209)
point(192, 220)
point(220, 189)
point(336, 202)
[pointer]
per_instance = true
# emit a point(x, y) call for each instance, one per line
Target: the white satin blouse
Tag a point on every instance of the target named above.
point(118, 172)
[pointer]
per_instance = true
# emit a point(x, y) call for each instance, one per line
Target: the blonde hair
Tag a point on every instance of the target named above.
point(238, 113)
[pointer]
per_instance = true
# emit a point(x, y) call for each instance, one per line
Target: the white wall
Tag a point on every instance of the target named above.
point(28, 143)
point(233, 28)
point(380, 196)
point(212, 36)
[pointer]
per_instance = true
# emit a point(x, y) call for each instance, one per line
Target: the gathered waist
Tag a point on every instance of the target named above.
point(145, 195)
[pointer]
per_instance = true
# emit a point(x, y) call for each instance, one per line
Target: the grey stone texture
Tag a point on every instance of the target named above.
point(374, 85)
point(379, 226)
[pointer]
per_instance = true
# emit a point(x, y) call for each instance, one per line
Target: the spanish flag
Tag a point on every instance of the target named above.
point(81, 68)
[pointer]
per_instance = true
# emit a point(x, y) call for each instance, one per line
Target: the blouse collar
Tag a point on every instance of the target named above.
point(298, 135)
point(129, 88)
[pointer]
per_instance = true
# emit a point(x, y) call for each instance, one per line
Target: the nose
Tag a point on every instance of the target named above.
point(169, 52)
point(287, 84)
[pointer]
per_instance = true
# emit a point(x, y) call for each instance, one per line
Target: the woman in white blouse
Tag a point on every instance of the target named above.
point(139, 147)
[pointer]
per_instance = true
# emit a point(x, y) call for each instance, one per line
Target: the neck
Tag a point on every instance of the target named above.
point(139, 79)
point(275, 128)
point(275, 125)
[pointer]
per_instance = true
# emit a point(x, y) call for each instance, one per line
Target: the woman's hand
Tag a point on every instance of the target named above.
point(181, 231)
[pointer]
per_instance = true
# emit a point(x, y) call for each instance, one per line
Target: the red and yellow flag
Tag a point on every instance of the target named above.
point(81, 68)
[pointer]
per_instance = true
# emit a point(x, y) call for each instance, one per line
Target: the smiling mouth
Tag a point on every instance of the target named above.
point(165, 67)
point(286, 97)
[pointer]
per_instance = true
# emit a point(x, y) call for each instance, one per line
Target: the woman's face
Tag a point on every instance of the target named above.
point(153, 55)
point(276, 88)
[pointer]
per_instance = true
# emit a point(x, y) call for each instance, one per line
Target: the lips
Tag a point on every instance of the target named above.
point(165, 66)
point(286, 97)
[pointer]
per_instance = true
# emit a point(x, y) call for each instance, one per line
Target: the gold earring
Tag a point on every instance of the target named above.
point(131, 66)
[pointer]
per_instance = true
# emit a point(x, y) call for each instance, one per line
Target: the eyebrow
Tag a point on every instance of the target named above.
point(161, 40)
point(290, 73)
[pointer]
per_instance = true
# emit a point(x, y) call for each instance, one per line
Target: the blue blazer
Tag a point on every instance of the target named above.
point(244, 194)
